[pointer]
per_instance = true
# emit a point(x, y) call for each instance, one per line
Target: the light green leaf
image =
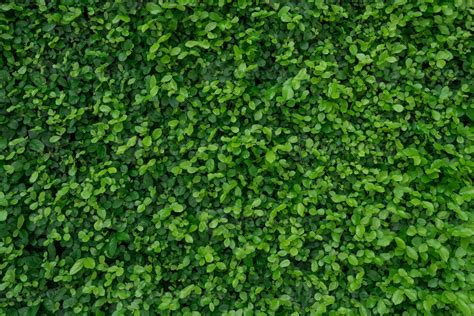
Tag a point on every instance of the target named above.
point(54, 139)
point(147, 141)
point(177, 208)
point(78, 265)
point(398, 297)
point(411, 252)
point(102, 213)
point(398, 108)
point(443, 253)
point(270, 156)
point(87, 191)
point(88, 263)
point(287, 92)
point(186, 291)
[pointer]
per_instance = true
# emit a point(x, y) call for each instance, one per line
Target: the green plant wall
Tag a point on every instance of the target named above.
point(222, 157)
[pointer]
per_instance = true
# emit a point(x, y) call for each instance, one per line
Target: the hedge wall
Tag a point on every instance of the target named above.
point(222, 157)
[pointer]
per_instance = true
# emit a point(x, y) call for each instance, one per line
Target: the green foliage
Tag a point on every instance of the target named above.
point(236, 157)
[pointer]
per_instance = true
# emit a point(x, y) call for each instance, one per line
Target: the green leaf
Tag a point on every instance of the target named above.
point(270, 156)
point(71, 15)
point(443, 253)
point(382, 308)
point(88, 263)
point(440, 63)
point(274, 304)
point(177, 208)
point(54, 139)
point(411, 252)
point(147, 141)
point(3, 215)
point(154, 48)
point(464, 308)
point(37, 145)
point(333, 90)
point(112, 247)
point(173, 123)
point(300, 209)
point(210, 26)
point(152, 82)
point(87, 191)
point(353, 260)
point(398, 297)
point(102, 213)
point(77, 266)
point(154, 91)
point(287, 92)
point(400, 243)
point(154, 8)
point(34, 177)
point(398, 108)
point(186, 291)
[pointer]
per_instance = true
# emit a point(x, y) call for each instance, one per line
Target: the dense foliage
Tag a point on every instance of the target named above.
point(236, 157)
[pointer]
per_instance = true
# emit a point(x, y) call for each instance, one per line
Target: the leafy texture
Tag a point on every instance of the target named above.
point(236, 157)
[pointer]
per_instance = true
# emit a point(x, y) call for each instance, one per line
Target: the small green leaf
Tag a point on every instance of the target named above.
point(333, 90)
point(78, 265)
point(154, 48)
point(382, 308)
point(152, 82)
point(147, 141)
point(353, 260)
point(443, 253)
point(210, 26)
point(36, 145)
point(34, 177)
point(89, 263)
point(398, 297)
point(154, 8)
point(209, 257)
point(54, 139)
point(287, 92)
point(398, 108)
point(177, 208)
point(102, 213)
point(411, 252)
point(87, 191)
point(186, 291)
point(300, 209)
point(270, 156)
point(154, 91)
point(111, 247)
point(173, 123)
point(440, 63)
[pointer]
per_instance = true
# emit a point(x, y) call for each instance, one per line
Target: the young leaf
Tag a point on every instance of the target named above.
point(77, 266)
point(270, 156)
point(287, 92)
point(88, 263)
